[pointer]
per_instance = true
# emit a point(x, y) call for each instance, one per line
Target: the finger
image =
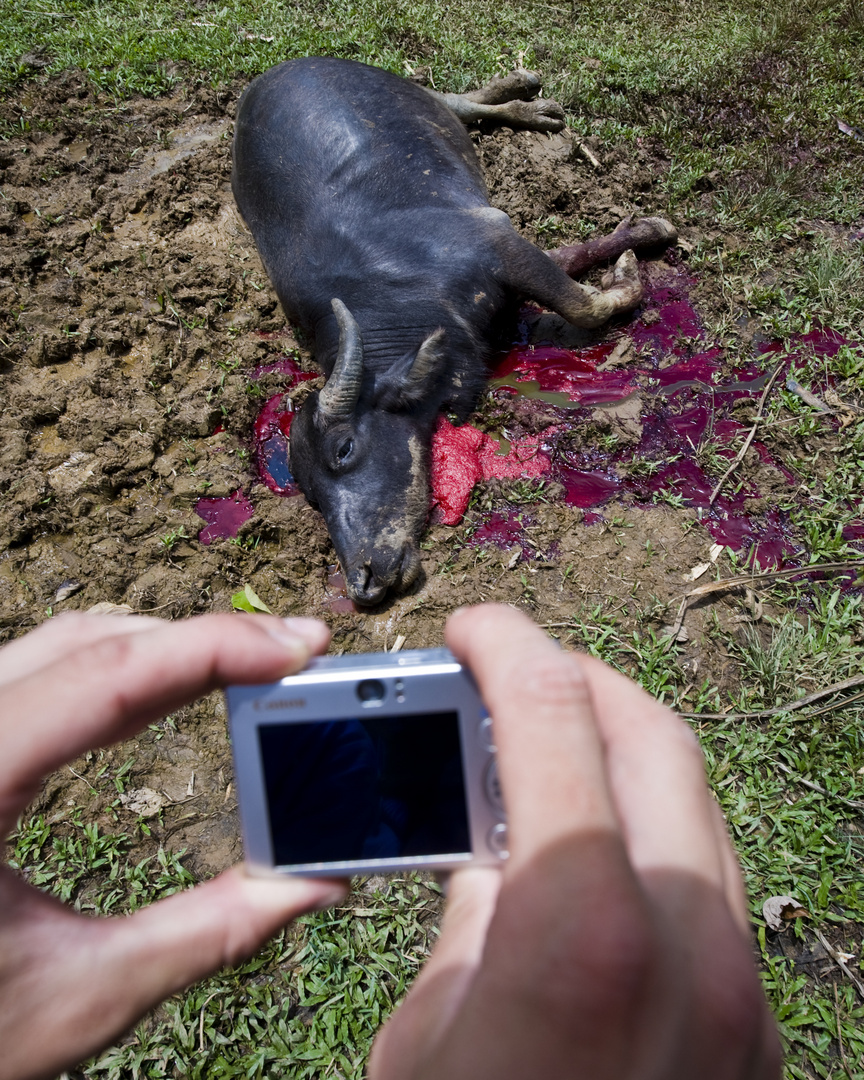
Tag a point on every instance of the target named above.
point(550, 755)
point(733, 881)
point(65, 633)
point(59, 636)
point(52, 1018)
point(106, 690)
point(471, 896)
point(439, 990)
point(222, 922)
point(657, 774)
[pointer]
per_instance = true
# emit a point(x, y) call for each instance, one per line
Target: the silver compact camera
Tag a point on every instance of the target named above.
point(367, 763)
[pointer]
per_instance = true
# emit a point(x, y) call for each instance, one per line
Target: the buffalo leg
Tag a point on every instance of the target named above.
point(530, 272)
point(521, 84)
point(507, 100)
point(540, 115)
point(648, 232)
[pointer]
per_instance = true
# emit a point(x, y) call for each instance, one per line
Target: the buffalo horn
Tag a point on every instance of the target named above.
point(340, 394)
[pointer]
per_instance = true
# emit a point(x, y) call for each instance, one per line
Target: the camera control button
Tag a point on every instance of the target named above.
point(487, 736)
point(497, 840)
point(492, 787)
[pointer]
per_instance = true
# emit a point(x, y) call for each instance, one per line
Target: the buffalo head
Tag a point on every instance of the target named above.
point(359, 452)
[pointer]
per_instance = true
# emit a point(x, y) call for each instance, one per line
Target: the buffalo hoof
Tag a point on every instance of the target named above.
point(625, 272)
point(540, 115)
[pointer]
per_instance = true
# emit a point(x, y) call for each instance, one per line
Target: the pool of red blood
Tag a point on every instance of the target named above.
point(687, 393)
point(566, 371)
point(683, 379)
point(224, 516)
point(270, 434)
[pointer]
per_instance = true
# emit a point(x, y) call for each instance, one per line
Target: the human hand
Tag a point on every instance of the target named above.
point(70, 984)
point(614, 941)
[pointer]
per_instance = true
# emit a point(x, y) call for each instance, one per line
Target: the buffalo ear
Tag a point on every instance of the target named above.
point(406, 384)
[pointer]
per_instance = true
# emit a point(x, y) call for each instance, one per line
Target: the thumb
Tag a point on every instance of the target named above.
point(437, 994)
point(74, 984)
point(189, 935)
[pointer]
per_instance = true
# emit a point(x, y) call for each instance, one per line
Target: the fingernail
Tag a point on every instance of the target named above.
point(300, 636)
point(312, 631)
point(331, 898)
point(291, 642)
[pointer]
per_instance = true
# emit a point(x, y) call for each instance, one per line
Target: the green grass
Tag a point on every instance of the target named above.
point(90, 868)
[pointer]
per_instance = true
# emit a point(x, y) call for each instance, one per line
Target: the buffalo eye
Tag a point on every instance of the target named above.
point(344, 451)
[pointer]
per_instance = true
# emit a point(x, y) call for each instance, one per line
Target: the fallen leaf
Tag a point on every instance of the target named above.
point(848, 129)
point(620, 355)
point(806, 395)
point(145, 802)
point(716, 551)
point(248, 600)
point(105, 607)
point(697, 571)
point(67, 589)
point(778, 910)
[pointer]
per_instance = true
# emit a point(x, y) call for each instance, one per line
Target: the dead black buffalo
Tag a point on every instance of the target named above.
point(367, 203)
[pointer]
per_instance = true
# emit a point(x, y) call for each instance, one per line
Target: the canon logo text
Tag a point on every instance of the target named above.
point(281, 703)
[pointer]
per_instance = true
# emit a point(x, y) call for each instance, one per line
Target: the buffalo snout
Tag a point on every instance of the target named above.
point(370, 580)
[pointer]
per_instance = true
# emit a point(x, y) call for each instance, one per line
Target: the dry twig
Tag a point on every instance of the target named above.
point(207, 1001)
point(739, 457)
point(749, 580)
point(855, 804)
point(790, 706)
point(839, 961)
point(82, 779)
point(853, 700)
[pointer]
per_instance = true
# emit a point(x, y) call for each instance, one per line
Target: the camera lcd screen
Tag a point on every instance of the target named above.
point(363, 789)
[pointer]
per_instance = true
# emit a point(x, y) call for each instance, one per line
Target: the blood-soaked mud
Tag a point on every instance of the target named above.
point(148, 372)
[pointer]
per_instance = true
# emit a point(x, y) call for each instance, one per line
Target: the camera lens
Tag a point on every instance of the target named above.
point(370, 691)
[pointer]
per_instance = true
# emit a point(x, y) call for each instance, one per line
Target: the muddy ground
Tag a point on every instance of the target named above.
point(133, 313)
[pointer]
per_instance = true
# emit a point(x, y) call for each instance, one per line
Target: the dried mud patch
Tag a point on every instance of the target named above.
point(134, 316)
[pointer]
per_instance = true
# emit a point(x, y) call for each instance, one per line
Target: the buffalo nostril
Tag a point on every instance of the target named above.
point(409, 565)
point(363, 588)
point(369, 596)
